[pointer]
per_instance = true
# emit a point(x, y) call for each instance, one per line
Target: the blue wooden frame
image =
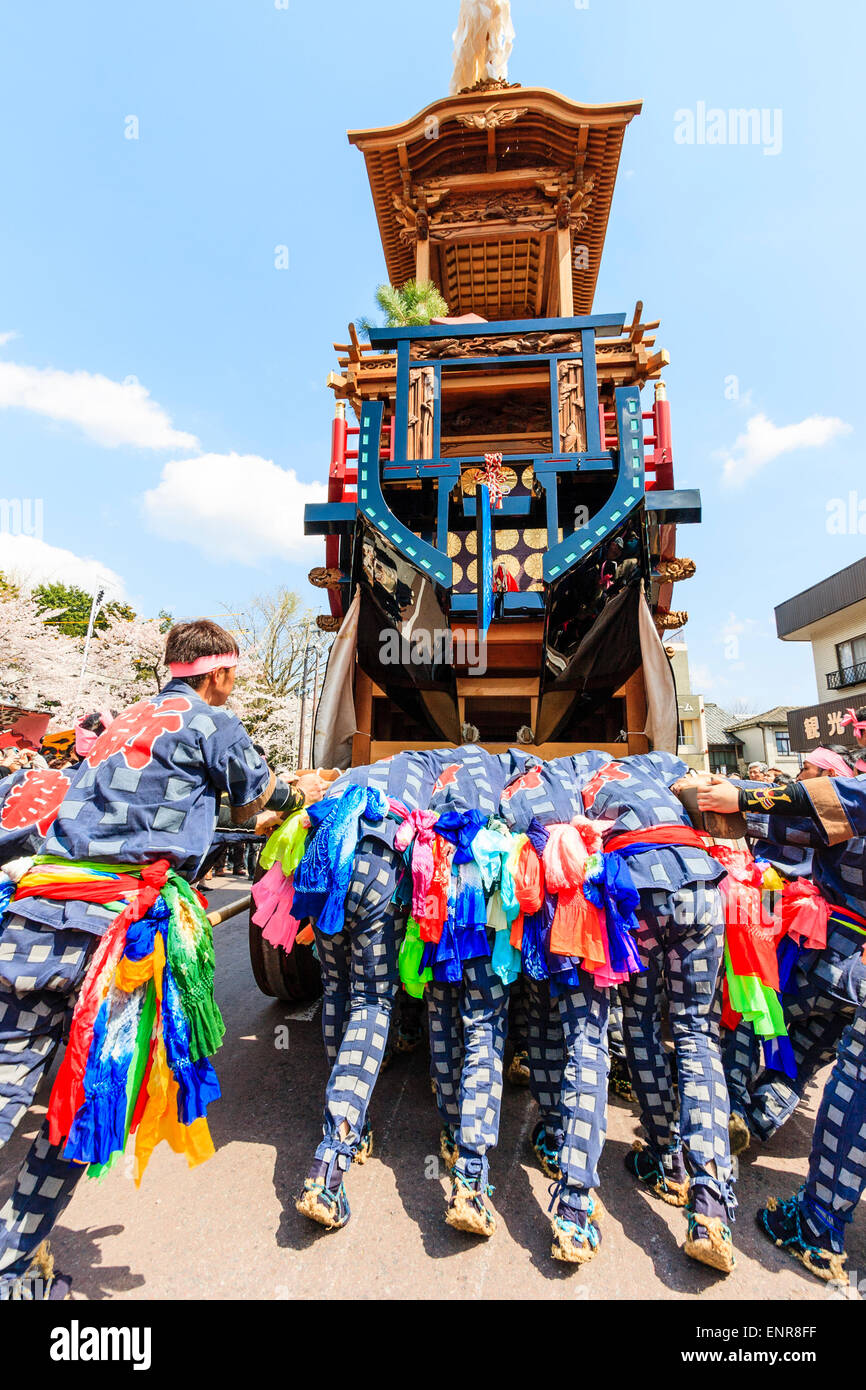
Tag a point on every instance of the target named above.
point(372, 504)
point(605, 325)
point(626, 496)
point(484, 534)
point(432, 558)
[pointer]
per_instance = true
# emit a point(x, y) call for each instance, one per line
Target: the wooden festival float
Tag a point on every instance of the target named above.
point(500, 195)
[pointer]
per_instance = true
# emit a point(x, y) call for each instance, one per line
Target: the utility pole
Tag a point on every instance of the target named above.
point(314, 708)
point(95, 606)
point(303, 713)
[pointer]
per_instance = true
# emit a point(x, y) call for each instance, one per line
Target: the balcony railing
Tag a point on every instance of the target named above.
point(847, 675)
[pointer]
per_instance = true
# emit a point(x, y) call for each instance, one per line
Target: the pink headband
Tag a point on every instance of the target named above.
point(85, 738)
point(828, 761)
point(859, 725)
point(179, 669)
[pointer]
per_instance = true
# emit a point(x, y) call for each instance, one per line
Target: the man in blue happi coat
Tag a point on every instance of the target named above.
point(358, 944)
point(818, 1000)
point(680, 940)
point(149, 789)
point(467, 999)
point(567, 1032)
point(811, 1224)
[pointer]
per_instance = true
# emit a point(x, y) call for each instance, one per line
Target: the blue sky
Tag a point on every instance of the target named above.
point(153, 259)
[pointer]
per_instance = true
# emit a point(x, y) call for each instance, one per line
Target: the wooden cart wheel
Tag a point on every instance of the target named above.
point(294, 976)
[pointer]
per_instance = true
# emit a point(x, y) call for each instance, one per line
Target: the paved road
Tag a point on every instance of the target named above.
point(229, 1229)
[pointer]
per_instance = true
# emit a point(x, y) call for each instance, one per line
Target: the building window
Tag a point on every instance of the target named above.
point(783, 742)
point(851, 660)
point(688, 733)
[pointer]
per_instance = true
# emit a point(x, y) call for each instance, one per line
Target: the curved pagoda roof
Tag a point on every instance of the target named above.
point(493, 179)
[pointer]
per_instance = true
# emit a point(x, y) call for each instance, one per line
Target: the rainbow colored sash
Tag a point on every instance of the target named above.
point(145, 1021)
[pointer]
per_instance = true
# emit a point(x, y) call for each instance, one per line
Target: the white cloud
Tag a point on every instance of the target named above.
point(30, 562)
point(111, 412)
point(763, 441)
point(234, 507)
point(7, 337)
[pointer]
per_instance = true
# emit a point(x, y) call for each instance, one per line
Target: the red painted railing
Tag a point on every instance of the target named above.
point(658, 446)
point(343, 485)
point(343, 481)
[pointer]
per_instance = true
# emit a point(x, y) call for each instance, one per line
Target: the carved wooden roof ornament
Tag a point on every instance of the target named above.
point(528, 208)
point(670, 622)
point(492, 118)
point(472, 184)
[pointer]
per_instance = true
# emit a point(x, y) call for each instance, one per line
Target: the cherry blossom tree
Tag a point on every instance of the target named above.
point(41, 670)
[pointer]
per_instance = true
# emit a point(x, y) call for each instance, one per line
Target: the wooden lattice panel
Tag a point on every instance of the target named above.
point(497, 280)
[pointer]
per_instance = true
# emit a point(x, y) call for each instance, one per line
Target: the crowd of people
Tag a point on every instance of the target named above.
point(472, 875)
point(571, 903)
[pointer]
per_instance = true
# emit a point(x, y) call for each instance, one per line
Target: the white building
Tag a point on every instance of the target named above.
point(765, 738)
point(724, 749)
point(832, 616)
point(690, 711)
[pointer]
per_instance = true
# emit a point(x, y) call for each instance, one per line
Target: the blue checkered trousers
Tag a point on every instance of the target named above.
point(615, 1038)
point(837, 1164)
point(567, 1032)
point(360, 976)
point(360, 979)
point(742, 1062)
point(568, 1072)
point(820, 1005)
point(40, 972)
point(680, 941)
point(468, 1022)
point(825, 988)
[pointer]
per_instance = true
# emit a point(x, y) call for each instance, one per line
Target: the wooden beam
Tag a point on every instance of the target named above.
point(635, 332)
point(657, 362)
point(491, 150)
point(474, 383)
point(232, 909)
point(363, 718)
point(498, 181)
point(502, 633)
point(566, 283)
point(405, 173)
point(542, 750)
point(361, 745)
point(539, 275)
point(635, 713)
point(482, 687)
